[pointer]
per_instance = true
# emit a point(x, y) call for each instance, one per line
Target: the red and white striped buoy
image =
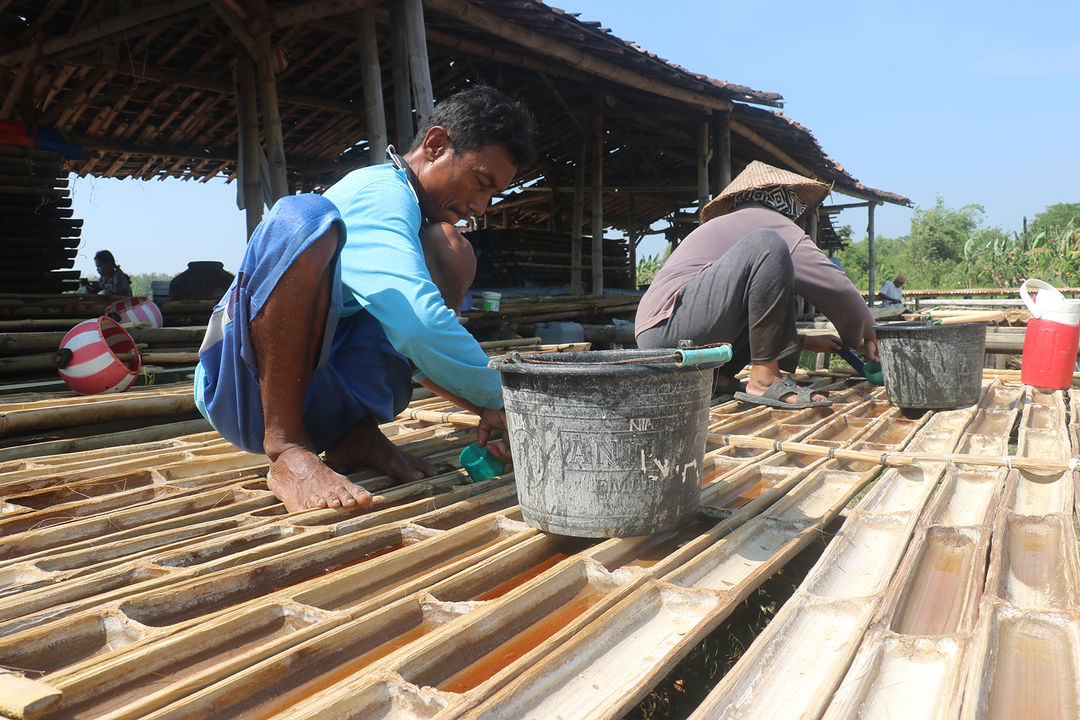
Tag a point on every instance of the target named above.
point(136, 310)
point(88, 360)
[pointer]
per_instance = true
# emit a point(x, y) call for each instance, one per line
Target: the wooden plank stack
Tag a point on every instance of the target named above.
point(38, 236)
point(506, 257)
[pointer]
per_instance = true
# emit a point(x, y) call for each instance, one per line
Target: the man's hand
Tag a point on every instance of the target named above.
point(491, 420)
point(821, 343)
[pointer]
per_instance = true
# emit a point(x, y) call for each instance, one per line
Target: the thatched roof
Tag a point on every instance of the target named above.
point(146, 89)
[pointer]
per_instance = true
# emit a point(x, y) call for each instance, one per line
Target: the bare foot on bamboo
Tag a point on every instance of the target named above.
point(303, 481)
point(364, 445)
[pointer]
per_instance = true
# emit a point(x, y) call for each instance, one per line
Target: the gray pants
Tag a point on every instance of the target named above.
point(746, 298)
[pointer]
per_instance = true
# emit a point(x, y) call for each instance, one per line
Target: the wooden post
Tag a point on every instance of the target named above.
point(578, 220)
point(598, 198)
point(723, 145)
point(812, 221)
point(374, 112)
point(399, 62)
point(419, 67)
point(248, 116)
point(271, 112)
point(703, 164)
point(632, 241)
point(873, 260)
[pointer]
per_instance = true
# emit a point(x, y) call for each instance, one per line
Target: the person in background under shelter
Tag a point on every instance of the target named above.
point(314, 344)
point(113, 280)
point(734, 279)
point(892, 292)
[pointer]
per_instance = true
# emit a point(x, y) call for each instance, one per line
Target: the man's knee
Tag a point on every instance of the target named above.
point(771, 251)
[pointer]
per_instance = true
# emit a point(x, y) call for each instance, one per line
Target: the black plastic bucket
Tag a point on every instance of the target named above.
point(607, 450)
point(932, 367)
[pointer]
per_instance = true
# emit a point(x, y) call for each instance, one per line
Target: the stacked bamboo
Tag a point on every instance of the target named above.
point(507, 257)
point(525, 312)
point(38, 236)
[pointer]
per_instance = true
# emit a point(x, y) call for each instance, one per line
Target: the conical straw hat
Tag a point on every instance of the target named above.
point(759, 175)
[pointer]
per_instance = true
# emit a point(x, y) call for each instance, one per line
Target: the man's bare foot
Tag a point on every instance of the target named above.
point(302, 481)
point(364, 445)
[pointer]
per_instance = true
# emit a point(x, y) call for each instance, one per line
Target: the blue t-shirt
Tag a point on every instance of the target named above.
point(383, 272)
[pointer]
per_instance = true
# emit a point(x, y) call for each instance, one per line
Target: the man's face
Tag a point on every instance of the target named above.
point(458, 186)
point(103, 267)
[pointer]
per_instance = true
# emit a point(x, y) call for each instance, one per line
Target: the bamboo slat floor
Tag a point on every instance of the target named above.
point(161, 579)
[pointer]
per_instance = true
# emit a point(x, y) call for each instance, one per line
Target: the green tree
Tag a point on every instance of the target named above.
point(933, 255)
point(140, 284)
point(1058, 216)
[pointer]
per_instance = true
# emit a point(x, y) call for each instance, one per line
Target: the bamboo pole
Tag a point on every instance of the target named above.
point(399, 64)
point(578, 220)
point(419, 67)
point(888, 459)
point(872, 298)
point(271, 113)
point(703, 164)
point(248, 113)
point(598, 197)
point(374, 110)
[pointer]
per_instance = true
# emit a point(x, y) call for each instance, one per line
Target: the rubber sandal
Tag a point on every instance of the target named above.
point(780, 388)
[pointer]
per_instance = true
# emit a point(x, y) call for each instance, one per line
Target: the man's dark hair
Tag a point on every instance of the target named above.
point(482, 115)
point(105, 256)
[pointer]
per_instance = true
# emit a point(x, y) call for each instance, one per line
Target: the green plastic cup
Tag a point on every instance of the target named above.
point(480, 464)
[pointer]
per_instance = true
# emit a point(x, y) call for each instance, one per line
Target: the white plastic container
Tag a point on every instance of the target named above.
point(490, 301)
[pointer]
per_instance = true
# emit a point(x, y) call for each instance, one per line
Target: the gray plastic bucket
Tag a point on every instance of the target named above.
point(605, 450)
point(932, 367)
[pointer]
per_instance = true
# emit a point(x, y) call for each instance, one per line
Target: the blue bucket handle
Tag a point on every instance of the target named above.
point(694, 357)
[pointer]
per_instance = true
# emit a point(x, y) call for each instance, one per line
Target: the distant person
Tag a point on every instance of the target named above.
point(735, 277)
point(892, 292)
point(113, 280)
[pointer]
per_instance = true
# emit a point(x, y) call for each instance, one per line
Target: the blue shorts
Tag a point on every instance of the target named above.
point(358, 374)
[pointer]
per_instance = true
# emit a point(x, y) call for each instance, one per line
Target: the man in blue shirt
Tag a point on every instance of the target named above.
point(334, 303)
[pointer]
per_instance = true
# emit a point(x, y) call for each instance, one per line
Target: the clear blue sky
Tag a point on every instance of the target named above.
point(978, 102)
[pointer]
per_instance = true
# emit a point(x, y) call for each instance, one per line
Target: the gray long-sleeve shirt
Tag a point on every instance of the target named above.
point(817, 279)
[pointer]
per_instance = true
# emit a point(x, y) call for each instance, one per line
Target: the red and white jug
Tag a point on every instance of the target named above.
point(1052, 337)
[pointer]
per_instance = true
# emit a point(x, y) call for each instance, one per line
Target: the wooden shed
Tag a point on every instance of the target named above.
point(198, 89)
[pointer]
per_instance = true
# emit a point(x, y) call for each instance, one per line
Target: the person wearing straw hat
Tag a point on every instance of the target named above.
point(734, 279)
point(334, 310)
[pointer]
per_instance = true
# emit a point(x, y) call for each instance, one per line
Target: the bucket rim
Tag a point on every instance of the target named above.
point(923, 325)
point(592, 363)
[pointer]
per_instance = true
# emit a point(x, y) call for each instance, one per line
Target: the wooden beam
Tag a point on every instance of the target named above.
point(562, 102)
point(598, 196)
point(536, 42)
point(271, 110)
point(13, 93)
point(239, 26)
point(772, 149)
point(374, 111)
point(105, 28)
point(703, 163)
point(248, 150)
point(419, 66)
point(399, 63)
point(578, 219)
point(306, 12)
point(723, 143)
point(870, 236)
point(141, 72)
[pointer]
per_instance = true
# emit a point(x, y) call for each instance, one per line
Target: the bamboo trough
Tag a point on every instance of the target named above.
point(162, 580)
